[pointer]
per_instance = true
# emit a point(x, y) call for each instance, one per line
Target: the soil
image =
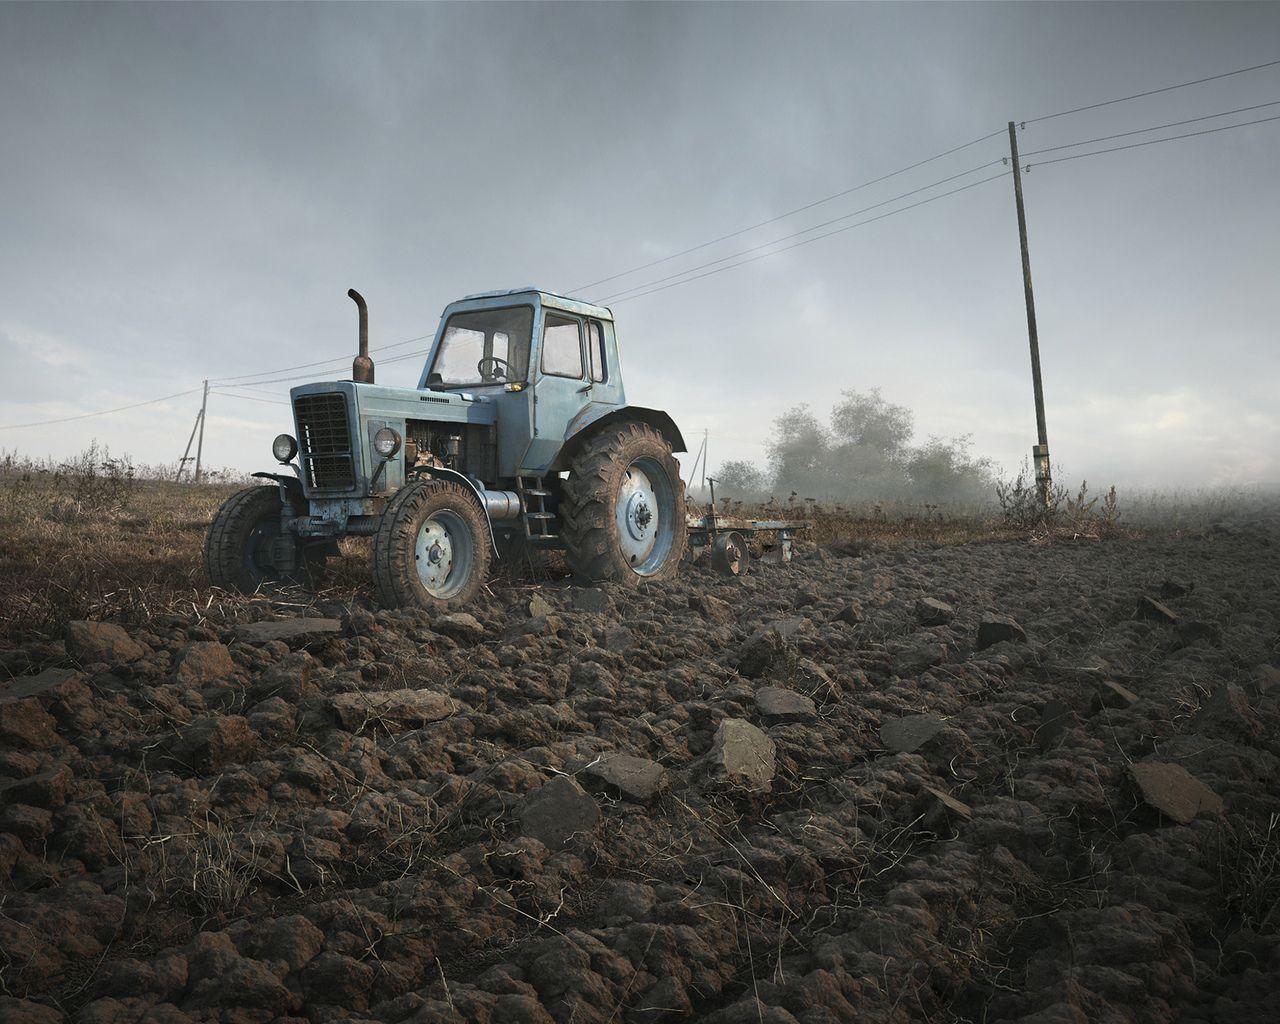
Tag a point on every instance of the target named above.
point(980, 782)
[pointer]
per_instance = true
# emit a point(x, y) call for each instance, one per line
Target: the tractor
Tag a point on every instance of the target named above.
point(517, 437)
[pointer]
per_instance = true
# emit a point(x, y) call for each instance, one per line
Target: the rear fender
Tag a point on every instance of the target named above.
point(592, 420)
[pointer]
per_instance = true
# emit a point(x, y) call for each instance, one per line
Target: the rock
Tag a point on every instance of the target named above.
point(539, 606)
point(744, 754)
point(1194, 630)
point(1227, 710)
point(286, 630)
point(914, 657)
point(786, 628)
point(30, 824)
point(556, 812)
point(768, 646)
point(1174, 792)
point(399, 709)
point(26, 725)
point(618, 639)
point(942, 805)
point(1111, 694)
point(461, 626)
point(908, 734)
point(930, 612)
point(712, 609)
point(999, 629)
point(212, 742)
point(1175, 588)
point(637, 778)
point(102, 643)
point(784, 705)
point(1153, 611)
point(850, 614)
point(294, 941)
point(590, 600)
point(1055, 719)
point(46, 789)
point(203, 662)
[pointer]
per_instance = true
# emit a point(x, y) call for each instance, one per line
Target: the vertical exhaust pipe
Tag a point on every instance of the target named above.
point(362, 366)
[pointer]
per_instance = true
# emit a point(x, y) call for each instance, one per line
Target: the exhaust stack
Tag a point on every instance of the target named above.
point(362, 366)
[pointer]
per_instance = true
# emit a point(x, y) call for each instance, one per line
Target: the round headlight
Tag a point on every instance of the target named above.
point(284, 448)
point(386, 442)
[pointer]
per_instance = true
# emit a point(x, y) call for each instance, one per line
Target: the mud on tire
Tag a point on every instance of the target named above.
point(595, 528)
point(234, 555)
point(432, 548)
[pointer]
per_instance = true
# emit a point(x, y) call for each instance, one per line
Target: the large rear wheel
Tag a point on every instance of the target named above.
point(623, 514)
point(238, 548)
point(432, 547)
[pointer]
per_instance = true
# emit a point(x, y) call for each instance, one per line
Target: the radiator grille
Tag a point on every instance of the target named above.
point(324, 439)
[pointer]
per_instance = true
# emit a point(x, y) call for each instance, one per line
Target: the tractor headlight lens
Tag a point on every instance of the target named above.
point(284, 448)
point(386, 442)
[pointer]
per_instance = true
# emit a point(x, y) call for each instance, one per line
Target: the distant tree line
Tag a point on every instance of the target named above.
point(863, 453)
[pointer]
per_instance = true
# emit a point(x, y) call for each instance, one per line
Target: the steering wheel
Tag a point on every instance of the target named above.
point(493, 368)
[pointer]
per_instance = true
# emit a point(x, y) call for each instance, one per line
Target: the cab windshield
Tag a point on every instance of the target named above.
point(485, 346)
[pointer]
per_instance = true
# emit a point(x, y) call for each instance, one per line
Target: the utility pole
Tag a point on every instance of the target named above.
point(204, 404)
point(1040, 453)
point(706, 435)
point(186, 452)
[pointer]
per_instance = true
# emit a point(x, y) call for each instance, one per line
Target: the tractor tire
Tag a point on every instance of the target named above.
point(432, 547)
point(237, 546)
point(623, 516)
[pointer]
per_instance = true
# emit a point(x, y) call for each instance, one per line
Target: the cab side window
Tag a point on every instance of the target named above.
point(561, 347)
point(595, 346)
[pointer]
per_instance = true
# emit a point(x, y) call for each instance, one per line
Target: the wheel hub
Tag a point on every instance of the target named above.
point(434, 555)
point(638, 515)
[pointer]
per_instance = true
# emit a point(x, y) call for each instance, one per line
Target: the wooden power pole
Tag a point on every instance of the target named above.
point(1040, 453)
point(204, 404)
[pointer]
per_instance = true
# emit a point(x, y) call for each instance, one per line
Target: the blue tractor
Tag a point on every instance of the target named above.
point(517, 436)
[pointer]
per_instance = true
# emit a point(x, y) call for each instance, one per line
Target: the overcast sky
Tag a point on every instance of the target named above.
point(188, 191)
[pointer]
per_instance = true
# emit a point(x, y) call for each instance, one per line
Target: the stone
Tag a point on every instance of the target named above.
point(539, 606)
point(908, 734)
point(1175, 588)
point(461, 626)
point(786, 628)
point(212, 742)
point(1174, 791)
point(995, 629)
point(914, 657)
point(203, 662)
point(943, 805)
point(46, 789)
point(556, 812)
point(1111, 694)
point(1192, 631)
point(1153, 611)
point(102, 643)
point(26, 725)
point(712, 609)
point(30, 824)
point(744, 754)
point(590, 600)
point(391, 709)
point(1226, 710)
point(1055, 719)
point(931, 612)
point(850, 614)
point(618, 639)
point(636, 778)
point(286, 630)
point(784, 705)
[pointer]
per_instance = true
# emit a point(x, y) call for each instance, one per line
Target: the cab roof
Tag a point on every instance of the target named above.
point(546, 298)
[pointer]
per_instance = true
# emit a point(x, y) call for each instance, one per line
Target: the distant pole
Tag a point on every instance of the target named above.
point(1040, 453)
point(204, 404)
point(186, 452)
point(706, 435)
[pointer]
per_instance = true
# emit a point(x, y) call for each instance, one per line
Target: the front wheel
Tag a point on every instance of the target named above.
point(432, 547)
point(623, 514)
point(238, 548)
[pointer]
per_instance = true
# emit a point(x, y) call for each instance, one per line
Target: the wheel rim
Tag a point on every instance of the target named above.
point(257, 549)
point(444, 554)
point(645, 514)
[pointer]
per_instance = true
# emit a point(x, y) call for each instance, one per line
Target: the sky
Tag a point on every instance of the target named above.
point(189, 190)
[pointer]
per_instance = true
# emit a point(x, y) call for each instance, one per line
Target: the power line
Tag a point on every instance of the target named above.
point(100, 412)
point(318, 362)
point(808, 241)
point(1150, 92)
point(252, 398)
point(804, 231)
point(1153, 142)
point(1153, 128)
point(311, 376)
point(789, 213)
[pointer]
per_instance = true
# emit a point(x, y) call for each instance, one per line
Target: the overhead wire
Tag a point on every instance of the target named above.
point(318, 362)
point(100, 412)
point(1150, 92)
point(1154, 142)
